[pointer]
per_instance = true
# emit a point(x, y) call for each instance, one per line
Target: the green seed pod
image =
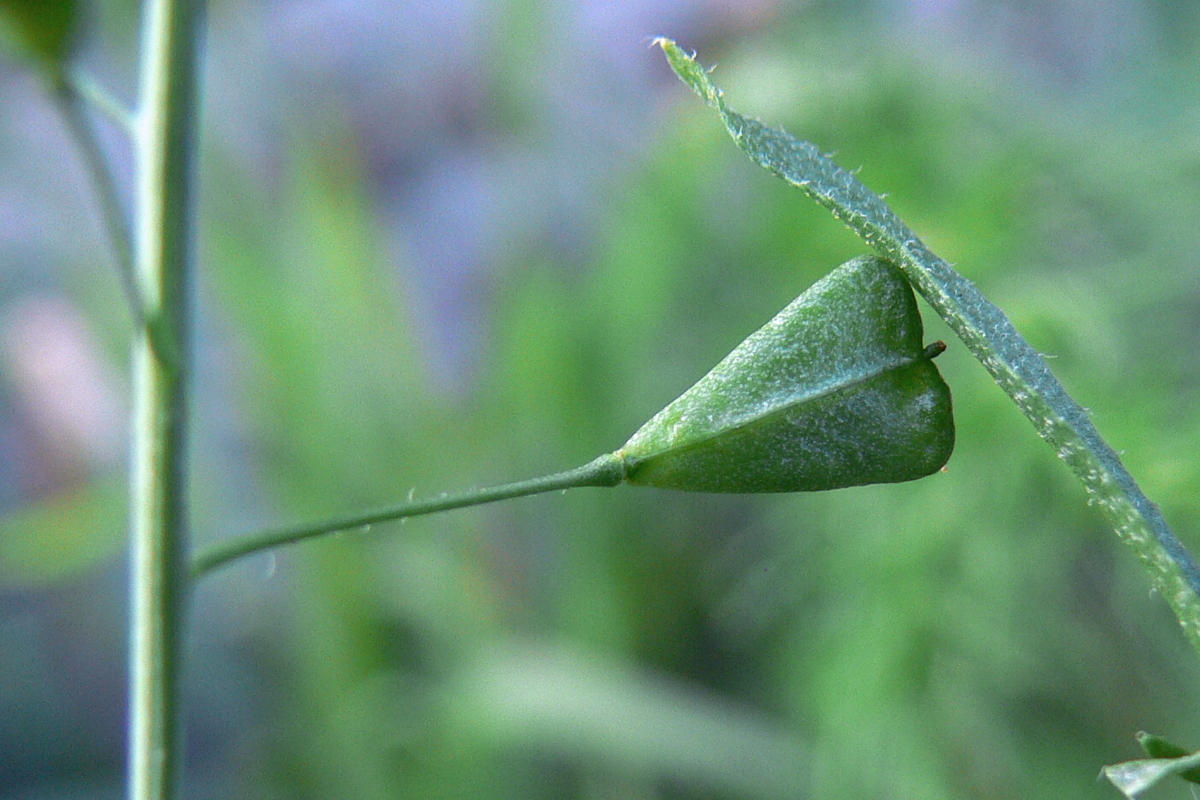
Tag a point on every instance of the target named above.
point(837, 390)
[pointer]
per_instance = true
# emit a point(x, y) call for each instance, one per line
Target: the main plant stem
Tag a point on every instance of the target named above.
point(164, 141)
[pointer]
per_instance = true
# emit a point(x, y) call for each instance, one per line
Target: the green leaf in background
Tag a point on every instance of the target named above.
point(62, 535)
point(1014, 364)
point(39, 30)
point(837, 390)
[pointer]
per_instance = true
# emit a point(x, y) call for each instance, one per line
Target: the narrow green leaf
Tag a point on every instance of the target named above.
point(1012, 362)
point(837, 390)
point(39, 30)
point(1135, 778)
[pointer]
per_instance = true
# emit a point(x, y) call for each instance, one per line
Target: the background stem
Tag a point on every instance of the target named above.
point(116, 223)
point(72, 104)
point(81, 86)
point(165, 137)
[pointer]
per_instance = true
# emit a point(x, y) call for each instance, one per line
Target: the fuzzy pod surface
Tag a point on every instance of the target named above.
point(837, 390)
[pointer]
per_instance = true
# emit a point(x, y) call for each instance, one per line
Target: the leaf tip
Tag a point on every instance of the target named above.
point(688, 70)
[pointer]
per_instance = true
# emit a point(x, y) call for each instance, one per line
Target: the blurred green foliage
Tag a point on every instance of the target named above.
point(39, 30)
point(977, 634)
point(62, 535)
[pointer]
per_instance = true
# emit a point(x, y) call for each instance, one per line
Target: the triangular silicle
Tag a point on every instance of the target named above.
point(837, 390)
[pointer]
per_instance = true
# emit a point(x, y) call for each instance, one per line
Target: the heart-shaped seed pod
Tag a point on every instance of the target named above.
point(837, 390)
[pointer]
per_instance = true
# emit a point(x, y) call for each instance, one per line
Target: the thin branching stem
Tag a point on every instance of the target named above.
point(72, 102)
point(112, 212)
point(82, 85)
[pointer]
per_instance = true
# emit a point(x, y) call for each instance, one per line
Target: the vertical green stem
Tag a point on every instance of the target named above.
point(165, 138)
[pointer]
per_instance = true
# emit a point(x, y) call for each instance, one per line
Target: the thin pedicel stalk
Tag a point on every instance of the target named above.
point(607, 470)
point(165, 145)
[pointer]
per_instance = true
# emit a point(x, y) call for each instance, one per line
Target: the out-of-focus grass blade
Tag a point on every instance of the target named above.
point(578, 706)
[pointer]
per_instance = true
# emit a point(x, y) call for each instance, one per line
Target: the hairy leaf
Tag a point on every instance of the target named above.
point(988, 334)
